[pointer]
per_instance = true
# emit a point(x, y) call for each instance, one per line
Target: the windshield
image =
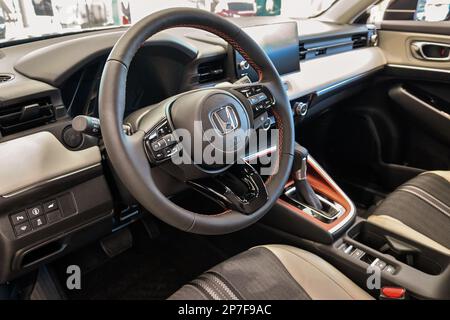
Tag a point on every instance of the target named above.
point(27, 19)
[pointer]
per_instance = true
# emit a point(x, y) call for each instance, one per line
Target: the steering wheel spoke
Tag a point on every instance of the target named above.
point(240, 188)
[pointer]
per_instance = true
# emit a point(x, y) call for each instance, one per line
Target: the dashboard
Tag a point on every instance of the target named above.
point(46, 83)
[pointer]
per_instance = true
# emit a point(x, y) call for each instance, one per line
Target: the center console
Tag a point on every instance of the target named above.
point(317, 213)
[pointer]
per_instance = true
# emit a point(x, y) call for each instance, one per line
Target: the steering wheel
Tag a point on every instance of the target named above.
point(237, 186)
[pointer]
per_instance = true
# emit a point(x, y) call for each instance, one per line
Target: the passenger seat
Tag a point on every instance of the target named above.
point(419, 210)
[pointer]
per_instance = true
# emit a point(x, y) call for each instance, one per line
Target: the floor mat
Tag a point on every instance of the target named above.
point(151, 269)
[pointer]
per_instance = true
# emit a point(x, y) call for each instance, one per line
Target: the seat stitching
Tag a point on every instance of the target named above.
point(203, 284)
point(220, 291)
point(223, 285)
point(222, 278)
point(322, 272)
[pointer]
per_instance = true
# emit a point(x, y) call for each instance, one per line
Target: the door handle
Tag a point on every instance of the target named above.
point(431, 51)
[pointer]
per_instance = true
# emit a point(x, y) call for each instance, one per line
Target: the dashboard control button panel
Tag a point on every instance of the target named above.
point(40, 215)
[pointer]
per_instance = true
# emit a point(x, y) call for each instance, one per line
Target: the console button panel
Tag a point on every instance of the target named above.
point(363, 256)
point(40, 215)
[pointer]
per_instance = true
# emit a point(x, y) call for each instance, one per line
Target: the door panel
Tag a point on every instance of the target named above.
point(422, 104)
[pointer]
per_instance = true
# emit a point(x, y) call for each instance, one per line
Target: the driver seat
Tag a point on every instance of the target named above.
point(273, 272)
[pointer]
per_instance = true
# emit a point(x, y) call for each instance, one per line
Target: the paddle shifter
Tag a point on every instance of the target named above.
point(305, 192)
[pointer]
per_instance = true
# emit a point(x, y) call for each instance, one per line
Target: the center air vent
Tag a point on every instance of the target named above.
point(317, 48)
point(211, 71)
point(5, 77)
point(25, 116)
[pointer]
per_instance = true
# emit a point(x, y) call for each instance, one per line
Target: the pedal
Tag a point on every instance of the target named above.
point(116, 243)
point(151, 227)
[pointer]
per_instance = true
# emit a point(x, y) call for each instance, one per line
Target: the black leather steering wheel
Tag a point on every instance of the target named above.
point(133, 155)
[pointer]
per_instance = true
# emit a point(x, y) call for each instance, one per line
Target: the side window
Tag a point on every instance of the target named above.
point(410, 10)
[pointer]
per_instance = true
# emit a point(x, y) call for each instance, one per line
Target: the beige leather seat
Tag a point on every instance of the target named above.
point(272, 272)
point(419, 210)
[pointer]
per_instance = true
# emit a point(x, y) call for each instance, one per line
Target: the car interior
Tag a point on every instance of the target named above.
point(347, 181)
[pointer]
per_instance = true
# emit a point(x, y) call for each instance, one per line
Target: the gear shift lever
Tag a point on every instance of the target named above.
point(304, 190)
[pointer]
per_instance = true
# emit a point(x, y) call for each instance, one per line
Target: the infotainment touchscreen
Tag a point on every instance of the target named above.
point(279, 41)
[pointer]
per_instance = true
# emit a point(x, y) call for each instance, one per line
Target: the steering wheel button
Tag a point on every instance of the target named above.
point(253, 100)
point(168, 152)
point(156, 146)
point(261, 97)
point(169, 139)
point(267, 103)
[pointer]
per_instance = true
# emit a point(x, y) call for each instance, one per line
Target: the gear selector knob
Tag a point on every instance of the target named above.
point(304, 190)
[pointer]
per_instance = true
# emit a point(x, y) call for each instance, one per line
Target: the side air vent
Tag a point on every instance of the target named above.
point(5, 77)
point(360, 40)
point(302, 51)
point(211, 71)
point(25, 116)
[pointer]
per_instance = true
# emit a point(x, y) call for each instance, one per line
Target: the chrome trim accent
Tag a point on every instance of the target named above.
point(425, 104)
point(343, 82)
point(404, 66)
point(352, 212)
point(36, 185)
point(401, 10)
point(340, 210)
point(417, 50)
point(221, 125)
